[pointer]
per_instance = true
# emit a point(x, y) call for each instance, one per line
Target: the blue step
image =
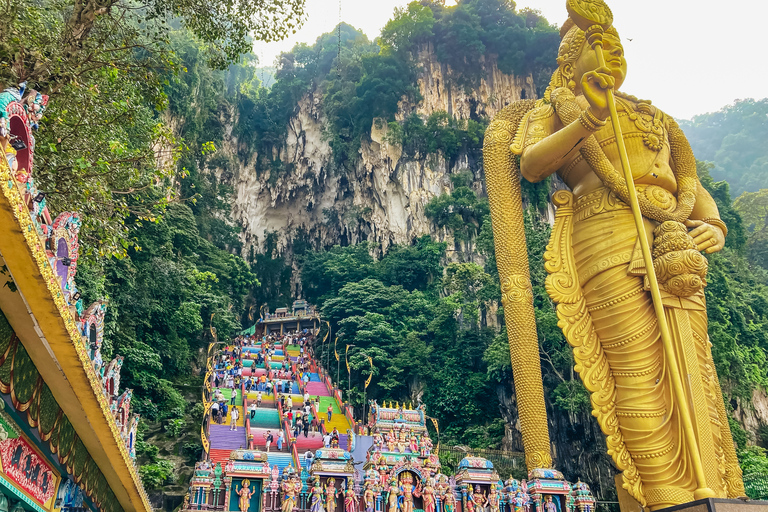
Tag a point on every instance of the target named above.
point(279, 459)
point(313, 377)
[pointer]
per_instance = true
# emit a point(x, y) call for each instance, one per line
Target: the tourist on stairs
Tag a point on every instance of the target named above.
point(233, 419)
point(297, 428)
point(253, 405)
point(330, 413)
point(308, 459)
point(268, 439)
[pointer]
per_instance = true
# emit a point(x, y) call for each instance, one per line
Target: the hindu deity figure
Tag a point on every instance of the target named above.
point(331, 493)
point(316, 500)
point(350, 499)
point(378, 440)
point(392, 496)
point(668, 433)
point(369, 497)
point(291, 488)
point(494, 499)
point(518, 502)
point(550, 505)
point(479, 499)
point(413, 443)
point(407, 490)
point(449, 501)
point(425, 445)
point(470, 506)
point(428, 495)
point(391, 440)
point(402, 441)
point(245, 494)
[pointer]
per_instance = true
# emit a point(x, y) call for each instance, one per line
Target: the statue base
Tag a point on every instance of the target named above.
point(719, 505)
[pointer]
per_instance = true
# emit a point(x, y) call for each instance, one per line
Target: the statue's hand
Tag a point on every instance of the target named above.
point(708, 238)
point(594, 85)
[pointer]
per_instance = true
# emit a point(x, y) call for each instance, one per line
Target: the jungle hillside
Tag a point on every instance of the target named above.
point(161, 121)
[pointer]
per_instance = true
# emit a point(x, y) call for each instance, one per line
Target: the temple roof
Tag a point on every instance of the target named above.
point(46, 327)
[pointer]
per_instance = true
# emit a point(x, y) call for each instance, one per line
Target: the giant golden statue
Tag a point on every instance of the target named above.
point(639, 338)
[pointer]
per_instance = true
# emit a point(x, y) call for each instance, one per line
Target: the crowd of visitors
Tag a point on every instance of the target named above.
point(279, 381)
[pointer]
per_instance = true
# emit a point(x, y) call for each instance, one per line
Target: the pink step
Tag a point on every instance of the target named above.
point(317, 389)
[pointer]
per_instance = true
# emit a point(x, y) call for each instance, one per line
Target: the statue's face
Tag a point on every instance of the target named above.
point(614, 59)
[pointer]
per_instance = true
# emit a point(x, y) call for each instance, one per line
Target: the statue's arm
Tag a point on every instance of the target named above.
point(706, 228)
point(705, 207)
point(546, 156)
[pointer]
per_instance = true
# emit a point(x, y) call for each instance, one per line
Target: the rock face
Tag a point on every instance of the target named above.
point(382, 199)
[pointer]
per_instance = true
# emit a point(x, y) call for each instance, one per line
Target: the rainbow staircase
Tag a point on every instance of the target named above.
point(266, 418)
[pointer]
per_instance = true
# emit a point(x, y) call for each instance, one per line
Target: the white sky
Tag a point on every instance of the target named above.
point(688, 56)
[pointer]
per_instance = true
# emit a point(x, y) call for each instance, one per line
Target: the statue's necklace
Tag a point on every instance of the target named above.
point(569, 111)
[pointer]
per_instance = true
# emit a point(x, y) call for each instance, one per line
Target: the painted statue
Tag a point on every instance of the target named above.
point(550, 505)
point(413, 444)
point(378, 440)
point(428, 495)
point(316, 500)
point(291, 487)
point(449, 501)
point(656, 393)
point(392, 496)
point(245, 494)
point(425, 445)
point(391, 440)
point(493, 499)
point(369, 497)
point(518, 502)
point(331, 493)
point(350, 500)
point(407, 490)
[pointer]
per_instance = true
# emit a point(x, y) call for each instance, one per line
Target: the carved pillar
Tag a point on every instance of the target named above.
point(227, 493)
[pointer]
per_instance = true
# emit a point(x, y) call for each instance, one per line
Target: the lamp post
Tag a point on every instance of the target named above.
point(349, 373)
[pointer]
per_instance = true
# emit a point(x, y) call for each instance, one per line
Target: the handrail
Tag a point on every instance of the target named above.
point(288, 436)
point(246, 418)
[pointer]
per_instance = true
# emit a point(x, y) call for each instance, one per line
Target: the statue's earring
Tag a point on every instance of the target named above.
point(568, 76)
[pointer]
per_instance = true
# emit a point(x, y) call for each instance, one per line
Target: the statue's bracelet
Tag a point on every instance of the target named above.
point(591, 122)
point(717, 222)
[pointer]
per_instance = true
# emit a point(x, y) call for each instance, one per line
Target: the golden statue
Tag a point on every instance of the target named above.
point(640, 339)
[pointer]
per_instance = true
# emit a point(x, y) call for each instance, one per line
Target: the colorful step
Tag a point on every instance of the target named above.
point(223, 438)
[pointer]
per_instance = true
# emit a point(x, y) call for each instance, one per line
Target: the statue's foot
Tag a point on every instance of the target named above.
point(660, 497)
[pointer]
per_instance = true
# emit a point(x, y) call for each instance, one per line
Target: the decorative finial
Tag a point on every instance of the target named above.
point(586, 13)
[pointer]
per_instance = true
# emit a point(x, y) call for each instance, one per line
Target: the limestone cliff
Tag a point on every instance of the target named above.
point(382, 199)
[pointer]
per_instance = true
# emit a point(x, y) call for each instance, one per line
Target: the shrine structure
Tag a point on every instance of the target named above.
point(67, 434)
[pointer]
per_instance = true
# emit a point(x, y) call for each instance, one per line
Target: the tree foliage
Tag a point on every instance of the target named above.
point(733, 138)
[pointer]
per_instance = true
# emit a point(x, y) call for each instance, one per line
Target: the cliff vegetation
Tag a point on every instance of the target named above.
point(355, 181)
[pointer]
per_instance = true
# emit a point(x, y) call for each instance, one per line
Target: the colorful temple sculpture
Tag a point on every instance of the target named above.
point(67, 434)
point(389, 464)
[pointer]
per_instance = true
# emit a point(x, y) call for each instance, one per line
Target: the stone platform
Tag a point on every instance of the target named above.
point(719, 505)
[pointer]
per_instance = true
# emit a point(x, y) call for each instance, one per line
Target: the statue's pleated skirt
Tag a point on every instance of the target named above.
point(604, 239)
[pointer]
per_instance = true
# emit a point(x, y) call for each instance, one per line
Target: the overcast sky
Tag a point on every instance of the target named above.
point(688, 56)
